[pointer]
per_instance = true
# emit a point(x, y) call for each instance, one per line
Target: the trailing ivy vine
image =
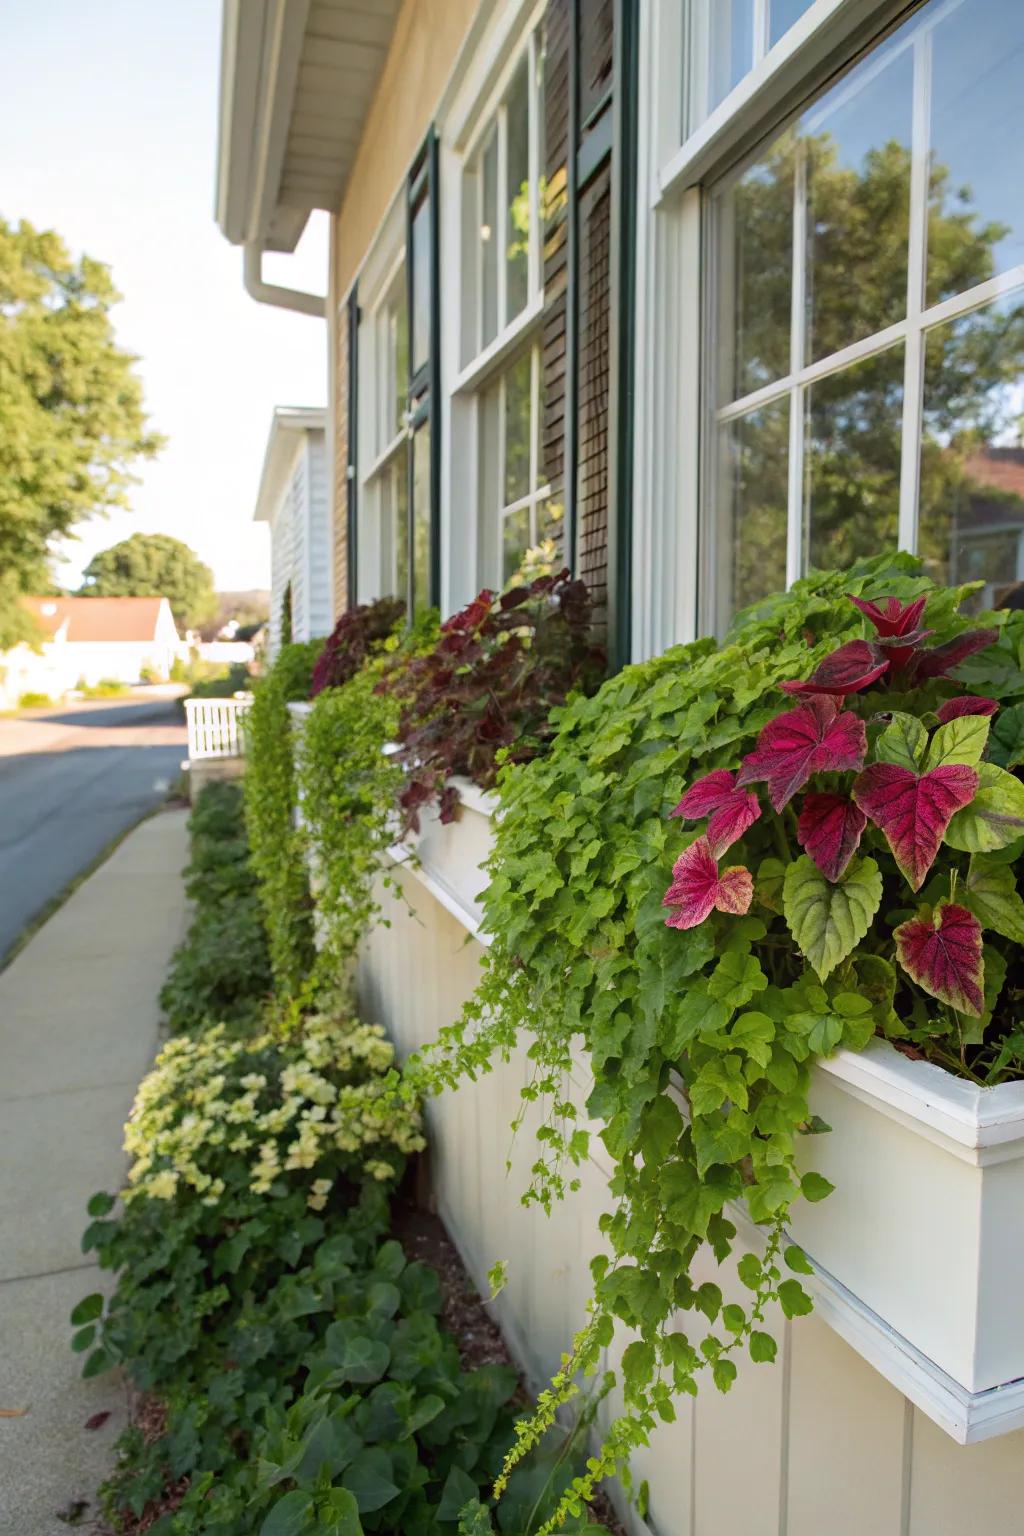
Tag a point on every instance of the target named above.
point(700, 1038)
point(277, 847)
point(348, 788)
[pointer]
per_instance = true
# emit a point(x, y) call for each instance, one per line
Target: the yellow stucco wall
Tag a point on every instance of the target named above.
point(428, 36)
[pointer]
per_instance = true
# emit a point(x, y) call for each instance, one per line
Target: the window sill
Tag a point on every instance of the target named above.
point(488, 362)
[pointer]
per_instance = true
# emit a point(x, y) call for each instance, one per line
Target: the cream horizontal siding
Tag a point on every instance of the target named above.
point(818, 1444)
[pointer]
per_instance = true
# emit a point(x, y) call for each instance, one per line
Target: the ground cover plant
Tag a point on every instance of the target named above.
point(221, 972)
point(484, 693)
point(708, 942)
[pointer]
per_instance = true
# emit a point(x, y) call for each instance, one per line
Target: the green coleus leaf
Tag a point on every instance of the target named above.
point(961, 740)
point(995, 816)
point(991, 894)
point(828, 921)
point(459, 1490)
point(904, 741)
point(337, 1514)
point(369, 1480)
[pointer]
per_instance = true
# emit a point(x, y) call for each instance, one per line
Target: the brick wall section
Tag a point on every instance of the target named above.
point(592, 398)
point(339, 509)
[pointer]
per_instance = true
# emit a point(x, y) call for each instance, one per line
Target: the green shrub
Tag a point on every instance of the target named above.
point(31, 700)
point(306, 1381)
point(223, 683)
point(278, 848)
point(221, 973)
point(106, 688)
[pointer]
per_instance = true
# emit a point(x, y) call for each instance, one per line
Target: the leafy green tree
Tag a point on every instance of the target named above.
point(154, 565)
point(71, 412)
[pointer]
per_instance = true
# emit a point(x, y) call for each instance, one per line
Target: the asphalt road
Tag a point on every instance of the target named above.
point(71, 780)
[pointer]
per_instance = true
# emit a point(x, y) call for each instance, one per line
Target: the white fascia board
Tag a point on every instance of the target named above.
point(289, 428)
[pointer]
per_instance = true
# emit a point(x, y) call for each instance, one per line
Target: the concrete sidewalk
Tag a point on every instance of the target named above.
point(78, 1029)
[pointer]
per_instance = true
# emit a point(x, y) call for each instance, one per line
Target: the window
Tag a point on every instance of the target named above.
point(865, 293)
point(398, 350)
point(514, 477)
point(501, 217)
point(724, 41)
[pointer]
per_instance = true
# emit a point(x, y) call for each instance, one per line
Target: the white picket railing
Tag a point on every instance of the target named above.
point(216, 726)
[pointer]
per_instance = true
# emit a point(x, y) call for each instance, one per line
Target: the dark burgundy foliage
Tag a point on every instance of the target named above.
point(942, 951)
point(489, 685)
point(829, 831)
point(813, 738)
point(965, 704)
point(359, 631)
point(851, 668)
point(732, 810)
point(913, 810)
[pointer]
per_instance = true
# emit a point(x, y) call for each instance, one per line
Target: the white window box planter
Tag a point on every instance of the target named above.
point(448, 859)
point(919, 1252)
point(921, 1246)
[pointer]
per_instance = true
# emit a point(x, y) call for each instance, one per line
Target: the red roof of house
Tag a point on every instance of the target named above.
point(98, 618)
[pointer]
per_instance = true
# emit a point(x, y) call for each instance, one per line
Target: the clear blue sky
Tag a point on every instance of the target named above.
point(108, 112)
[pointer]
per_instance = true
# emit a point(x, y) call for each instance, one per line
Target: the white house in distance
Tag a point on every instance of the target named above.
point(293, 499)
point(90, 639)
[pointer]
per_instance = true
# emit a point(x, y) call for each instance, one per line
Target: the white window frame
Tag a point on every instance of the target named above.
point(476, 103)
point(672, 448)
point(537, 495)
point(380, 458)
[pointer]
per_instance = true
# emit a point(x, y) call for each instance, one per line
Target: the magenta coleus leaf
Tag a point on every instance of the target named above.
point(854, 666)
point(731, 810)
point(965, 704)
point(913, 810)
point(943, 658)
point(813, 738)
point(829, 830)
point(891, 617)
point(698, 887)
point(942, 951)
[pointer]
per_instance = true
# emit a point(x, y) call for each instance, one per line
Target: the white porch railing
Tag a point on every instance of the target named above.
point(216, 726)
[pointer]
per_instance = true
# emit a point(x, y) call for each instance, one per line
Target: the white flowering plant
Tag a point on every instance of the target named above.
point(239, 1149)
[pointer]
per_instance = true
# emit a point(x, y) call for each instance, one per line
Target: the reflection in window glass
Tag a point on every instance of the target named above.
point(976, 228)
point(751, 549)
point(398, 493)
point(853, 424)
point(857, 157)
point(517, 193)
point(515, 540)
point(971, 523)
point(781, 16)
point(489, 243)
point(517, 430)
point(421, 519)
point(732, 46)
point(754, 217)
point(421, 285)
point(397, 370)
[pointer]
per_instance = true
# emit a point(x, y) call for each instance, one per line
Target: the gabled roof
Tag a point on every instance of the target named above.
point(98, 618)
point(296, 81)
point(288, 426)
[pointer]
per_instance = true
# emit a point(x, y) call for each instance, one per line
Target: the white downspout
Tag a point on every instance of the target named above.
point(269, 293)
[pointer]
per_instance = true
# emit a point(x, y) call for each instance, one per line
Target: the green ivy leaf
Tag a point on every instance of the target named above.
point(83, 1338)
point(991, 894)
point(994, 818)
point(815, 1187)
point(828, 921)
point(735, 979)
point(753, 1033)
point(793, 1299)
point(798, 1260)
point(1006, 741)
point(459, 1490)
point(763, 1348)
point(724, 1373)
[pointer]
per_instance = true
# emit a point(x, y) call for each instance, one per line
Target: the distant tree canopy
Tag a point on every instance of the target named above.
point(71, 411)
point(154, 565)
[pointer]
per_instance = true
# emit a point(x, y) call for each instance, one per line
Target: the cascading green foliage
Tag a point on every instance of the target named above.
point(349, 787)
point(701, 1041)
point(278, 848)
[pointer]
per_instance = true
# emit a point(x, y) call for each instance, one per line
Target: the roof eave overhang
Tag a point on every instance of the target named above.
point(287, 429)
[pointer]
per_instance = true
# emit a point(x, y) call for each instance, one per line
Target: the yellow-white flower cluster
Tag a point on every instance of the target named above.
point(287, 1106)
